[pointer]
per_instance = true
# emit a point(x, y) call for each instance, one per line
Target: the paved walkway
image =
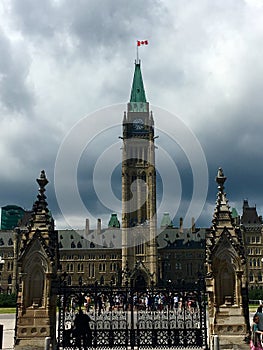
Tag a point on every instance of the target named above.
point(8, 320)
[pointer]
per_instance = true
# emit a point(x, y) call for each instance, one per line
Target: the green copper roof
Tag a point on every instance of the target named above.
point(166, 221)
point(114, 222)
point(234, 213)
point(11, 214)
point(137, 92)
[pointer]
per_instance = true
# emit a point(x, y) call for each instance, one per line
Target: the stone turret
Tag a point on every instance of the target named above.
point(37, 265)
point(226, 274)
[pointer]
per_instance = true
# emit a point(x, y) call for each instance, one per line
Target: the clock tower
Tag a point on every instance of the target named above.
point(139, 187)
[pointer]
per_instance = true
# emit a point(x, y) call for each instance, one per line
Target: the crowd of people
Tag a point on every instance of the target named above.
point(140, 302)
point(82, 307)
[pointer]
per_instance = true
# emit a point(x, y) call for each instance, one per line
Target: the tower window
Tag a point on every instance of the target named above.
point(69, 280)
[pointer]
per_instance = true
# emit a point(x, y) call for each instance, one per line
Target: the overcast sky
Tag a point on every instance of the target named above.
point(61, 61)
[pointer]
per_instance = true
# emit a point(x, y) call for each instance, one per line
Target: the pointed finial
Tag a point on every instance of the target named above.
point(42, 180)
point(220, 179)
point(41, 198)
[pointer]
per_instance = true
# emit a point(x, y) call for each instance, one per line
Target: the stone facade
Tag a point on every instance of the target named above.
point(252, 229)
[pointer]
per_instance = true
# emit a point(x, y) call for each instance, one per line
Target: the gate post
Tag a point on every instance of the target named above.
point(47, 343)
point(1, 335)
point(203, 308)
point(216, 342)
point(132, 316)
point(95, 338)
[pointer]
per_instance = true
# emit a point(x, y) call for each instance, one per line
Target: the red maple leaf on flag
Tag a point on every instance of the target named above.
point(142, 42)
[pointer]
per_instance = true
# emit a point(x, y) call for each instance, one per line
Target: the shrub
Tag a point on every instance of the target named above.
point(255, 294)
point(7, 300)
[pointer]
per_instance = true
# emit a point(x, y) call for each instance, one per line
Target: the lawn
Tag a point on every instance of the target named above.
point(7, 310)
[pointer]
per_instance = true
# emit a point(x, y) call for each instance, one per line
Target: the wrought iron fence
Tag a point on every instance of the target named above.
point(102, 317)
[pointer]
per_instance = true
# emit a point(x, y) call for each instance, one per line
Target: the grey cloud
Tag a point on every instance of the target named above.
point(35, 18)
point(108, 23)
point(15, 95)
point(87, 27)
point(203, 61)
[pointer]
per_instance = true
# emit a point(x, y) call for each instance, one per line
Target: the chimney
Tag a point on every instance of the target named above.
point(193, 225)
point(181, 225)
point(87, 227)
point(99, 226)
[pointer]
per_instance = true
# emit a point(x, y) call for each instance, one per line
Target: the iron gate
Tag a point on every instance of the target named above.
point(125, 317)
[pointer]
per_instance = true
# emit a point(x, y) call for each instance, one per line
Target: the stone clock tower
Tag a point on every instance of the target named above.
point(139, 187)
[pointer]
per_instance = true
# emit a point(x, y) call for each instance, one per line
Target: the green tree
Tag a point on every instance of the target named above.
point(7, 300)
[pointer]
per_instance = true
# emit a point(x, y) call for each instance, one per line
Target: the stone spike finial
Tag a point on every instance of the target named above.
point(222, 215)
point(41, 197)
point(220, 179)
point(42, 180)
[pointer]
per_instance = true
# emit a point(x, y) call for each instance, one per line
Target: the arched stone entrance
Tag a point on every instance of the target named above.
point(140, 281)
point(226, 285)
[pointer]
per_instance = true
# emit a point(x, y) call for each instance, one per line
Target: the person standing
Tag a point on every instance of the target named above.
point(82, 330)
point(256, 334)
point(259, 313)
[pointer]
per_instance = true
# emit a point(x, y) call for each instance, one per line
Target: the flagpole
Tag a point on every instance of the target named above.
point(137, 52)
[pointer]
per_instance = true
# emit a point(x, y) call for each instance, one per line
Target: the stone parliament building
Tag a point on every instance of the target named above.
point(152, 255)
point(93, 255)
point(181, 252)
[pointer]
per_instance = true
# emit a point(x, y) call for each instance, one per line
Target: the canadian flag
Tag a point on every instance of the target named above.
point(143, 42)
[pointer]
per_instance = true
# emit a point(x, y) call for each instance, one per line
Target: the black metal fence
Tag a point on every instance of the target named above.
point(102, 317)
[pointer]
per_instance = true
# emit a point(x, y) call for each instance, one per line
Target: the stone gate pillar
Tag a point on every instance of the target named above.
point(226, 279)
point(37, 264)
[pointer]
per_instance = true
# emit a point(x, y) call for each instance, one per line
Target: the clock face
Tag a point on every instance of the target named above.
point(138, 124)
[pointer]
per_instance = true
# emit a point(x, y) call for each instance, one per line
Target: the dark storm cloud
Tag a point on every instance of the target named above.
point(109, 23)
point(61, 59)
point(233, 140)
point(94, 27)
point(15, 94)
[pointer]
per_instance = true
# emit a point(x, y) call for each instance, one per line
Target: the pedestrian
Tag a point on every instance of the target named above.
point(87, 303)
point(255, 343)
point(82, 331)
point(175, 302)
point(259, 313)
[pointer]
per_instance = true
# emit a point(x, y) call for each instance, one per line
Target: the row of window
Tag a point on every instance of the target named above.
point(80, 280)
point(253, 239)
point(9, 254)
point(9, 266)
point(9, 279)
point(254, 251)
point(255, 278)
point(91, 257)
point(256, 262)
point(101, 267)
point(182, 255)
point(10, 241)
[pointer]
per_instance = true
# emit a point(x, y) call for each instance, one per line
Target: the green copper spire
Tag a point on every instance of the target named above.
point(137, 92)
